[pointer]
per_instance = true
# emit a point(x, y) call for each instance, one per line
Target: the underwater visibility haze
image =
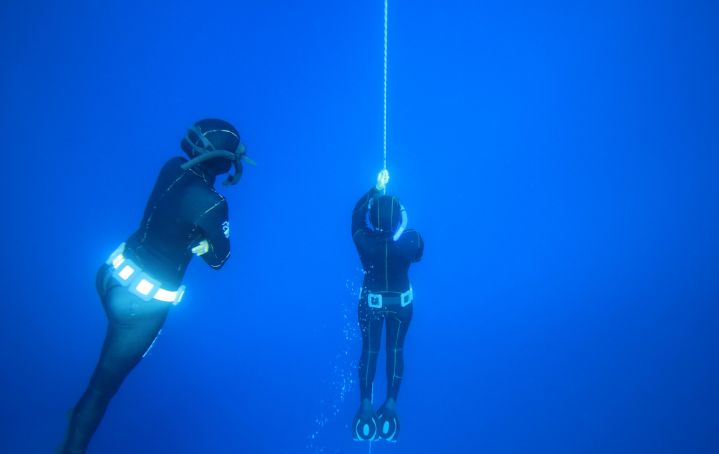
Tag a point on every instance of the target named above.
point(560, 160)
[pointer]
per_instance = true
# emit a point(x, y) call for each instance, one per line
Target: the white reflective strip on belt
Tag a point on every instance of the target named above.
point(117, 261)
point(407, 297)
point(170, 297)
point(126, 272)
point(143, 287)
point(376, 300)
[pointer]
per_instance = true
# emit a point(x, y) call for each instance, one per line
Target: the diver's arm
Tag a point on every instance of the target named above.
point(420, 247)
point(215, 229)
point(360, 211)
point(412, 245)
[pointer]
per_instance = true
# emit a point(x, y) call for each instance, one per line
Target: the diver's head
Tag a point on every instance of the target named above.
point(385, 214)
point(216, 144)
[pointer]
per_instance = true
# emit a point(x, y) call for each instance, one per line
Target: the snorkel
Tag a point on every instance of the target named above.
point(207, 151)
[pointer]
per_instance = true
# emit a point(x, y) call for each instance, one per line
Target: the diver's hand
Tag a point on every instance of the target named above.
point(201, 248)
point(382, 180)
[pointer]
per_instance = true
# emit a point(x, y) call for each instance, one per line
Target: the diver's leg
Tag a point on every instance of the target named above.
point(133, 324)
point(397, 325)
point(364, 425)
point(370, 321)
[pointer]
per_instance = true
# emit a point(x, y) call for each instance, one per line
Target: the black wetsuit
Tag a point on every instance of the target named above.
point(183, 209)
point(386, 265)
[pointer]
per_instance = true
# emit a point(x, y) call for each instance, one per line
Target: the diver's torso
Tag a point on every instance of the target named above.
point(386, 264)
point(162, 245)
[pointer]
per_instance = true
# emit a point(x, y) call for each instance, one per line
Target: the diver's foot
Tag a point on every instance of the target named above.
point(63, 450)
point(388, 421)
point(364, 425)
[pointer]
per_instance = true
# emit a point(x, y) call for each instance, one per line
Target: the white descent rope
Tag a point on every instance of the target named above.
point(384, 123)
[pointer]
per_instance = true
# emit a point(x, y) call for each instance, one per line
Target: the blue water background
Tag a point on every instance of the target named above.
point(560, 159)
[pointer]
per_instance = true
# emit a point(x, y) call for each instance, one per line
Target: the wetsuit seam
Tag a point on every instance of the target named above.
point(210, 209)
point(386, 267)
point(369, 342)
point(212, 247)
point(154, 207)
point(204, 178)
point(209, 185)
point(191, 235)
point(396, 342)
point(222, 262)
point(201, 175)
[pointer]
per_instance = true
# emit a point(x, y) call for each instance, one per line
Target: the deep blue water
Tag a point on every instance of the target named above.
point(560, 159)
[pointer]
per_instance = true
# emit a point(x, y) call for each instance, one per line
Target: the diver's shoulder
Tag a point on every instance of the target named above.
point(208, 194)
point(171, 171)
point(174, 163)
point(205, 200)
point(411, 235)
point(172, 168)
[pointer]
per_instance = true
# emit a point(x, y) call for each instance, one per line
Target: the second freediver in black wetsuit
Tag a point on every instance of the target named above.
point(142, 279)
point(386, 249)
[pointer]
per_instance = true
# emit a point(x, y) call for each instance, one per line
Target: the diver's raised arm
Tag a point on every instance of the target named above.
point(417, 242)
point(360, 210)
point(359, 214)
point(215, 227)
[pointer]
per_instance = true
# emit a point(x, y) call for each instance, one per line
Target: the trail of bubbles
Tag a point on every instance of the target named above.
point(343, 372)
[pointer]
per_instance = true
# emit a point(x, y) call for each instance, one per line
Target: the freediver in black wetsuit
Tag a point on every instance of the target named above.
point(142, 279)
point(386, 249)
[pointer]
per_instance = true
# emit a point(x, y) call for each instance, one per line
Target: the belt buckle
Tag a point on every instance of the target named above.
point(116, 258)
point(139, 283)
point(374, 300)
point(144, 286)
point(126, 272)
point(406, 298)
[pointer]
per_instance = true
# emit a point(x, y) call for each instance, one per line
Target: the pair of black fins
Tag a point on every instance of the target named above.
point(370, 426)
